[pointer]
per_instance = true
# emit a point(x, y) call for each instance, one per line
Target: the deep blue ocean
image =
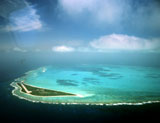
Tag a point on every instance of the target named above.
point(14, 109)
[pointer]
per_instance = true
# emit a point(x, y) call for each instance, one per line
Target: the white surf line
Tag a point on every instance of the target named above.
point(28, 92)
point(79, 95)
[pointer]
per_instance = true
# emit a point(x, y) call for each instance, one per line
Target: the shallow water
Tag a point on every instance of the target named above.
point(95, 84)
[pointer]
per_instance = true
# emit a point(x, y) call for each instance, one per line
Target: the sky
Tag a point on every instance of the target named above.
point(80, 26)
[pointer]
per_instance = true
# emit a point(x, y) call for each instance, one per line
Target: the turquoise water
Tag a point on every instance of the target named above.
point(95, 84)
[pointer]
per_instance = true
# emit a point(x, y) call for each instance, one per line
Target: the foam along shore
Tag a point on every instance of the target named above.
point(36, 91)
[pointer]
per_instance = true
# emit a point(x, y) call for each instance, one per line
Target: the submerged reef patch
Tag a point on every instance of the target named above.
point(109, 75)
point(153, 75)
point(91, 80)
point(74, 74)
point(66, 82)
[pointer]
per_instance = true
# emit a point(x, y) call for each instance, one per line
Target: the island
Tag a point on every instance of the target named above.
point(89, 85)
point(36, 91)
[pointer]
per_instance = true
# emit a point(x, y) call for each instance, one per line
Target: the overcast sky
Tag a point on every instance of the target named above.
point(80, 25)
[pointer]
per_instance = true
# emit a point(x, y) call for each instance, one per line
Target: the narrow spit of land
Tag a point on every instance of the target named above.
point(36, 91)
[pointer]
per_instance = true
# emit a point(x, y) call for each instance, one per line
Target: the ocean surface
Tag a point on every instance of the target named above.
point(13, 109)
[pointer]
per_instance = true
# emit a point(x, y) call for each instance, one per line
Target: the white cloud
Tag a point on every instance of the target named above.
point(24, 20)
point(113, 43)
point(75, 6)
point(125, 15)
point(62, 49)
point(124, 42)
point(19, 49)
point(101, 10)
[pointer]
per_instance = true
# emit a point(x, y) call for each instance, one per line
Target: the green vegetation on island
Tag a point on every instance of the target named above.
point(35, 91)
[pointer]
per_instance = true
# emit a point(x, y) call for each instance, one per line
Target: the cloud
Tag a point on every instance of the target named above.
point(75, 6)
point(19, 49)
point(131, 16)
point(24, 20)
point(106, 43)
point(62, 49)
point(104, 10)
point(124, 42)
point(113, 43)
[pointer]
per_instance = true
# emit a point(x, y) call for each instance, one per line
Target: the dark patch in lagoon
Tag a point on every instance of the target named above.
point(74, 74)
point(118, 77)
point(100, 70)
point(66, 82)
point(92, 69)
point(153, 75)
point(109, 75)
point(93, 80)
point(106, 70)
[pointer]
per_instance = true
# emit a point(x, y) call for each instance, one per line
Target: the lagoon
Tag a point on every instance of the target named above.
point(97, 84)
